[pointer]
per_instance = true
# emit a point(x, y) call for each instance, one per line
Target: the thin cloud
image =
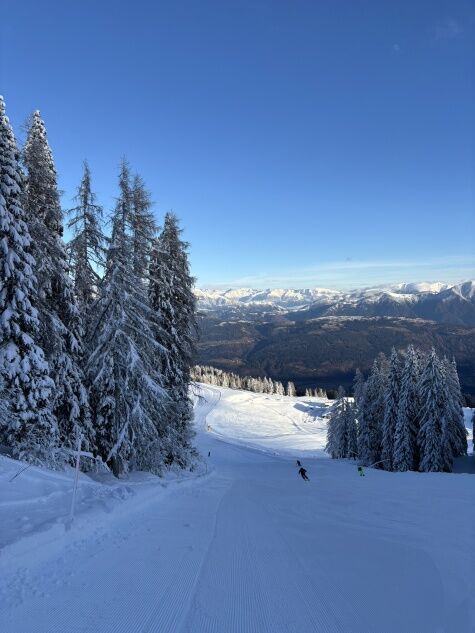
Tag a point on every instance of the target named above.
point(351, 274)
point(448, 29)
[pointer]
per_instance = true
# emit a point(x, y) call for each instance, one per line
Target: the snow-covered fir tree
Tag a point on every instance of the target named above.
point(457, 433)
point(341, 436)
point(279, 388)
point(336, 436)
point(391, 404)
point(143, 227)
point(30, 429)
point(405, 450)
point(60, 319)
point(351, 430)
point(433, 421)
point(291, 391)
point(128, 396)
point(87, 247)
point(358, 388)
point(371, 414)
point(172, 299)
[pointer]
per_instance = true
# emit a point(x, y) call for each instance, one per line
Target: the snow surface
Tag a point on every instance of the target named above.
point(248, 547)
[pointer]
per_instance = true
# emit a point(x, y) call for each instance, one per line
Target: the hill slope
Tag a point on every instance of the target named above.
point(252, 547)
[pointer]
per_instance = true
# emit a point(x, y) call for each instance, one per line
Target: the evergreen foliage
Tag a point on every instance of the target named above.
point(173, 301)
point(143, 227)
point(128, 394)
point(87, 247)
point(30, 429)
point(409, 413)
point(391, 403)
point(405, 454)
point(371, 415)
point(433, 421)
point(61, 329)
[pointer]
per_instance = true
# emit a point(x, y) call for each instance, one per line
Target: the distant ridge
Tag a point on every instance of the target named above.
point(435, 301)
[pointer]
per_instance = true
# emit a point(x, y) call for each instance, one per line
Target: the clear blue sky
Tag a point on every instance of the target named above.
point(302, 143)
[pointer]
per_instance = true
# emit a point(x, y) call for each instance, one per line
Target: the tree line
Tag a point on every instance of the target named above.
point(97, 335)
point(220, 378)
point(213, 376)
point(407, 415)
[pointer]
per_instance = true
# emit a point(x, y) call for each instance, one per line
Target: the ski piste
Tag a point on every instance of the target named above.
point(247, 547)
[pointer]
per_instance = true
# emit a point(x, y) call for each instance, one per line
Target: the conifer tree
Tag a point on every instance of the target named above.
point(291, 391)
point(143, 227)
point(372, 413)
point(172, 298)
point(391, 403)
point(128, 394)
point(334, 430)
point(341, 429)
point(358, 388)
point(60, 320)
point(431, 395)
point(351, 431)
point(87, 247)
point(457, 433)
point(30, 429)
point(405, 453)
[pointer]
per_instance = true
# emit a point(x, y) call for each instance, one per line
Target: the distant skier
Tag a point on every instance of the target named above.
point(361, 471)
point(209, 453)
point(299, 464)
point(303, 474)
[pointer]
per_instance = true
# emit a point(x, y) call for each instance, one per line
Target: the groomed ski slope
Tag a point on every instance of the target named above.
point(252, 548)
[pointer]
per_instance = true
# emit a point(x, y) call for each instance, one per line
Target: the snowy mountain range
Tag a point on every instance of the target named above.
point(318, 336)
point(433, 301)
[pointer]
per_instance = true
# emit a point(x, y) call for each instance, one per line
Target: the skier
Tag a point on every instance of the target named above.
point(361, 471)
point(299, 464)
point(303, 474)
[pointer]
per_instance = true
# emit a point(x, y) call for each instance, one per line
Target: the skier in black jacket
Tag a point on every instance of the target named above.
point(303, 474)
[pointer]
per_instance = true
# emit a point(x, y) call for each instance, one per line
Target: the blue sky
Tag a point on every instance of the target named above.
point(301, 143)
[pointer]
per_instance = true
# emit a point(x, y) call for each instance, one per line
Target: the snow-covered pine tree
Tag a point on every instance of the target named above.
point(128, 396)
point(371, 414)
point(351, 430)
point(432, 421)
point(30, 430)
point(172, 298)
point(337, 430)
point(405, 452)
point(143, 227)
point(457, 433)
point(279, 389)
point(291, 391)
point(358, 388)
point(60, 320)
point(334, 434)
point(391, 404)
point(87, 247)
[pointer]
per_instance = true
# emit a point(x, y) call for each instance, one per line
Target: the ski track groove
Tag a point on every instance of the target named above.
point(314, 619)
point(246, 594)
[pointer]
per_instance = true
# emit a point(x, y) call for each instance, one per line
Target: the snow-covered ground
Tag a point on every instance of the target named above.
point(248, 547)
point(276, 424)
